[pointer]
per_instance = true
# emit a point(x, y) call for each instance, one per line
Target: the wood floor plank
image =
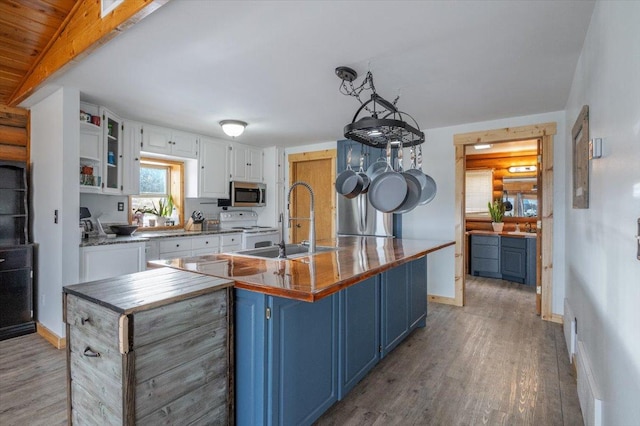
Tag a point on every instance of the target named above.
point(493, 362)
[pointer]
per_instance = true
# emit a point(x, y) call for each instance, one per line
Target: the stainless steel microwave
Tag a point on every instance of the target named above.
point(248, 194)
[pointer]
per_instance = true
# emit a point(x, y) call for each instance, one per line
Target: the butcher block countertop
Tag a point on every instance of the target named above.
point(310, 278)
point(520, 234)
point(145, 290)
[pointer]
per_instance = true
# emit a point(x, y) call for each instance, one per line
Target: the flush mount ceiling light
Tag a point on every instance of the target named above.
point(385, 122)
point(522, 169)
point(233, 128)
point(482, 146)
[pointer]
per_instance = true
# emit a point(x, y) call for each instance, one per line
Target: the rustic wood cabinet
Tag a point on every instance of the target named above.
point(150, 348)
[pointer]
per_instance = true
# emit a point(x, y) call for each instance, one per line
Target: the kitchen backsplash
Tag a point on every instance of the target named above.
point(106, 207)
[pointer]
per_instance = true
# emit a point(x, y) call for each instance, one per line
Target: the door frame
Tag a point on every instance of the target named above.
point(326, 154)
point(544, 278)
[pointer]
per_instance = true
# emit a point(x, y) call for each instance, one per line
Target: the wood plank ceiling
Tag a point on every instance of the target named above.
point(26, 28)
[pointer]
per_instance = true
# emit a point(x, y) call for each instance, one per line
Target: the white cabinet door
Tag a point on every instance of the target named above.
point(162, 140)
point(156, 139)
point(230, 242)
point(113, 260)
point(254, 172)
point(112, 154)
point(131, 163)
point(213, 167)
point(184, 144)
point(207, 244)
point(246, 163)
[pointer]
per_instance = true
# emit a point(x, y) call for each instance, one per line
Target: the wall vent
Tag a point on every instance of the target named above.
point(569, 326)
point(588, 394)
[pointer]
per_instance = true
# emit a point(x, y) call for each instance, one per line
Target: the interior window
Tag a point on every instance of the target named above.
point(478, 191)
point(160, 200)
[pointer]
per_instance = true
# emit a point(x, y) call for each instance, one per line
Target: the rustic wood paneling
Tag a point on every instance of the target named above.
point(81, 31)
point(14, 134)
point(27, 26)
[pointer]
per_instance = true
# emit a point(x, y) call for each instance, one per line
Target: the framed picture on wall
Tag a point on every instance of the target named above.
point(580, 141)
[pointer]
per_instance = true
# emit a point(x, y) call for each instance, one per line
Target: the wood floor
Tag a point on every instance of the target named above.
point(492, 362)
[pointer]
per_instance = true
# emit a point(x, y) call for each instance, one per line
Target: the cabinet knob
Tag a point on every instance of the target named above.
point(83, 321)
point(177, 245)
point(206, 242)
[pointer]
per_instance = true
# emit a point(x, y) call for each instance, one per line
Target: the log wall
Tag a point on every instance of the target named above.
point(14, 134)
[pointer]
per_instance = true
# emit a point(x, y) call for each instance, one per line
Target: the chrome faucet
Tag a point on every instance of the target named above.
point(282, 248)
point(311, 218)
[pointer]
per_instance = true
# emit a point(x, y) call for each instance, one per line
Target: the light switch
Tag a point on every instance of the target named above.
point(120, 206)
point(595, 148)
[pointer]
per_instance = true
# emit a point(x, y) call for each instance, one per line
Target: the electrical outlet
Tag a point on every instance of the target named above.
point(120, 206)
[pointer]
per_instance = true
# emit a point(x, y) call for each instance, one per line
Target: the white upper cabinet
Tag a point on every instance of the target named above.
point(132, 145)
point(162, 140)
point(213, 168)
point(246, 163)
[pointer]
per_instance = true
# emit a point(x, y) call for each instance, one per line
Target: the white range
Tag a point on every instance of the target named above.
point(253, 236)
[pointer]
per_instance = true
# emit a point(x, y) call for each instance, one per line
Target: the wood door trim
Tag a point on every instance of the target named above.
point(545, 131)
point(327, 154)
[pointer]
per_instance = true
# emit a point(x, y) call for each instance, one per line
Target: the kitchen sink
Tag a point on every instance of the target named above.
point(293, 251)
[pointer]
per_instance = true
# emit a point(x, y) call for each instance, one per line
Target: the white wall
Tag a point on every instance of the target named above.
point(603, 274)
point(54, 155)
point(437, 218)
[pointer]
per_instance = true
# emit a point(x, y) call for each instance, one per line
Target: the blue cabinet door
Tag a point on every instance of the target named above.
point(359, 324)
point(395, 307)
point(303, 359)
point(250, 357)
point(417, 293)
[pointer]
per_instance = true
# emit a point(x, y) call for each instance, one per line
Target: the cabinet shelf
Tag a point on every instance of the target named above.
point(113, 138)
point(111, 165)
point(92, 159)
point(88, 125)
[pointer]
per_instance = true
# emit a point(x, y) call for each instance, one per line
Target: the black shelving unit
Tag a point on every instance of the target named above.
point(16, 253)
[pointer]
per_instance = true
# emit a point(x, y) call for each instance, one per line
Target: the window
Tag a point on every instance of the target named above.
point(478, 191)
point(160, 200)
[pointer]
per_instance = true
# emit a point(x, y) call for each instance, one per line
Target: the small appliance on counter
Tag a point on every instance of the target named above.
point(246, 221)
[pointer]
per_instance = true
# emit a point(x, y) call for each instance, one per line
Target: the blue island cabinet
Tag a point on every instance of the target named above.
point(286, 359)
point(295, 359)
point(404, 302)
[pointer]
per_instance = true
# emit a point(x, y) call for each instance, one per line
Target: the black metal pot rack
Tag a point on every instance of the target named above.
point(385, 123)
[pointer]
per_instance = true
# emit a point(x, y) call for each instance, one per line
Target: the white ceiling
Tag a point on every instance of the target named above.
point(193, 63)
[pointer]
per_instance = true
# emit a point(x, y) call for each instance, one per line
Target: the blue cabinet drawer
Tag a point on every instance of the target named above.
point(487, 265)
point(485, 239)
point(520, 243)
point(485, 252)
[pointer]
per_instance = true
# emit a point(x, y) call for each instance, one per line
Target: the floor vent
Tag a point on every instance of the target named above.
point(569, 330)
point(590, 402)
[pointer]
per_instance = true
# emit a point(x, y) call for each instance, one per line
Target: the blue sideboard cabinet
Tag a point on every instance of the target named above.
point(295, 359)
point(507, 258)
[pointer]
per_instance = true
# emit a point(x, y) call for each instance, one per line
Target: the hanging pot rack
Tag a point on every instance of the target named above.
point(385, 122)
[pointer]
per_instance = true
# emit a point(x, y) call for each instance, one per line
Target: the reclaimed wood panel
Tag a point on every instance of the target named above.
point(87, 317)
point(109, 362)
point(89, 409)
point(160, 323)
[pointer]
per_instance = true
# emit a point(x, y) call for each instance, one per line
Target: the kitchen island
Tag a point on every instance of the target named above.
point(294, 359)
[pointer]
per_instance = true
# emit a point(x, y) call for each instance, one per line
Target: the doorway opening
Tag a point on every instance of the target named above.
point(544, 133)
point(506, 175)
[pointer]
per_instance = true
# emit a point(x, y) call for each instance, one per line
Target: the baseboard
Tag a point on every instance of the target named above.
point(442, 299)
point(557, 318)
point(51, 337)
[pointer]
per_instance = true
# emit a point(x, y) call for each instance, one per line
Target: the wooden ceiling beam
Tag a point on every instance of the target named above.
point(80, 33)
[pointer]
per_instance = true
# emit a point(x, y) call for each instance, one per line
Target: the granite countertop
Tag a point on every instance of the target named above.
point(142, 236)
point(520, 234)
point(310, 278)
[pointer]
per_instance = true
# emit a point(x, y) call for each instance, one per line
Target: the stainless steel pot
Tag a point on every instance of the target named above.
point(389, 189)
point(349, 183)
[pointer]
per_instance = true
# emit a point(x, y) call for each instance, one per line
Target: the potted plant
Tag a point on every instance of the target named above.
point(162, 211)
point(496, 211)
